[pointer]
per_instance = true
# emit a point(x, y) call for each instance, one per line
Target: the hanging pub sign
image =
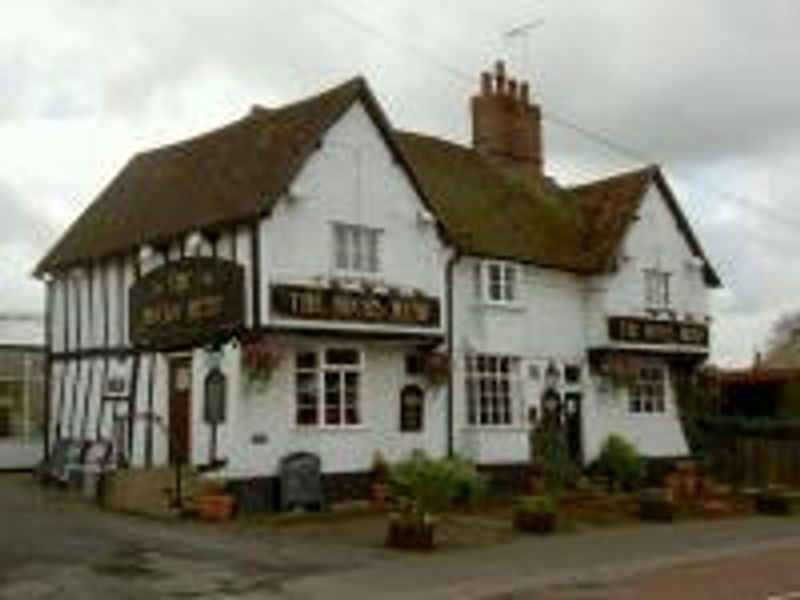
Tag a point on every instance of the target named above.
point(334, 304)
point(649, 331)
point(190, 302)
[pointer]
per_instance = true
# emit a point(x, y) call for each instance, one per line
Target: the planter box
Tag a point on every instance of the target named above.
point(410, 535)
point(217, 507)
point(777, 503)
point(657, 506)
point(541, 523)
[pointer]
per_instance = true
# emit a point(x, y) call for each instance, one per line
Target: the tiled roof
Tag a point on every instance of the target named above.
point(238, 172)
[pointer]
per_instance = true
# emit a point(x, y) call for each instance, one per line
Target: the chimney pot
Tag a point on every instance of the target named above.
point(500, 76)
point(525, 93)
point(486, 84)
point(512, 88)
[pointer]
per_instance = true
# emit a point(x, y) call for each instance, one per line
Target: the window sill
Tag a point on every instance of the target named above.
point(329, 428)
point(495, 428)
point(515, 306)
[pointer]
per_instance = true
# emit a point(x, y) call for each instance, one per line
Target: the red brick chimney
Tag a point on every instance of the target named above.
point(506, 127)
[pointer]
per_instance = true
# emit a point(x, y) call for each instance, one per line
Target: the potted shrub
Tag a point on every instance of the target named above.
point(436, 367)
point(619, 465)
point(260, 359)
point(379, 482)
point(421, 488)
point(536, 514)
point(776, 501)
point(657, 505)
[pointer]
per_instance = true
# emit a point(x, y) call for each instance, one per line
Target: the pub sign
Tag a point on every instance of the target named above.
point(650, 331)
point(334, 304)
point(190, 302)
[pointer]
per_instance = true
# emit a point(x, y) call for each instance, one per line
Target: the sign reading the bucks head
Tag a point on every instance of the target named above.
point(186, 303)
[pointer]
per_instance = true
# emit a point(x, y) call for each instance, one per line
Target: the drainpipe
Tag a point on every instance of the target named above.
point(449, 270)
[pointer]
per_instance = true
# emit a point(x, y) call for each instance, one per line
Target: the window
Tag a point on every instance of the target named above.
point(356, 248)
point(490, 381)
point(500, 282)
point(21, 394)
point(412, 409)
point(656, 288)
point(648, 392)
point(327, 387)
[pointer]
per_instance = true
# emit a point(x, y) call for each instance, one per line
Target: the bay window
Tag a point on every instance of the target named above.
point(491, 384)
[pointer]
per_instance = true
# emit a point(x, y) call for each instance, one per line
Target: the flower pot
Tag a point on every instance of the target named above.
point(410, 535)
point(541, 523)
point(657, 505)
point(216, 507)
point(379, 496)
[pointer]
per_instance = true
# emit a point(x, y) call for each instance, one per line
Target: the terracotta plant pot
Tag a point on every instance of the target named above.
point(410, 535)
point(379, 496)
point(216, 507)
point(657, 505)
point(541, 523)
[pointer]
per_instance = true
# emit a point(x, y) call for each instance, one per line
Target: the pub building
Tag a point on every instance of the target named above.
point(308, 280)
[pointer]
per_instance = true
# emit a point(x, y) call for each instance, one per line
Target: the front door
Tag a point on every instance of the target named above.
point(572, 425)
point(180, 403)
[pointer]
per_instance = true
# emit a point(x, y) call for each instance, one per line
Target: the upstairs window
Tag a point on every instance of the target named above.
point(656, 288)
point(500, 282)
point(356, 248)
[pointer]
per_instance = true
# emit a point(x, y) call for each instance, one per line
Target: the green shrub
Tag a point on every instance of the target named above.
point(421, 487)
point(620, 464)
point(536, 514)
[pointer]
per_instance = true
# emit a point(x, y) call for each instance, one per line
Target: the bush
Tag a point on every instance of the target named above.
point(620, 464)
point(424, 486)
point(536, 514)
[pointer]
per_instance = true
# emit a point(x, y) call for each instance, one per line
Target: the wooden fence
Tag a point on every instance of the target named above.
point(751, 454)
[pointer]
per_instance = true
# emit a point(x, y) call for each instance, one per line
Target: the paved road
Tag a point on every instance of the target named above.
point(56, 547)
point(762, 575)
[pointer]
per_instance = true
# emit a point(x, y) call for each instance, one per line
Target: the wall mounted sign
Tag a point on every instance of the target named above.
point(117, 384)
point(190, 302)
point(333, 304)
point(648, 331)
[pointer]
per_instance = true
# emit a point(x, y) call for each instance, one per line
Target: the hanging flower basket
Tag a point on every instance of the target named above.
point(260, 359)
point(436, 367)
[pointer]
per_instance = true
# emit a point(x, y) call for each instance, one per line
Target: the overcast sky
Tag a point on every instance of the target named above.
point(707, 88)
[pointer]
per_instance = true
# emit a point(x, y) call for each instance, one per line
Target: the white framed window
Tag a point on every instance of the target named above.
point(356, 248)
point(491, 384)
point(648, 392)
point(328, 387)
point(500, 282)
point(657, 288)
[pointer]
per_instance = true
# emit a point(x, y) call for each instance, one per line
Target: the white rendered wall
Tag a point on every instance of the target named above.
point(545, 325)
point(353, 179)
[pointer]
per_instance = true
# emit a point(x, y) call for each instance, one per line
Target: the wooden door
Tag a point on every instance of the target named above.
point(572, 422)
point(180, 403)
